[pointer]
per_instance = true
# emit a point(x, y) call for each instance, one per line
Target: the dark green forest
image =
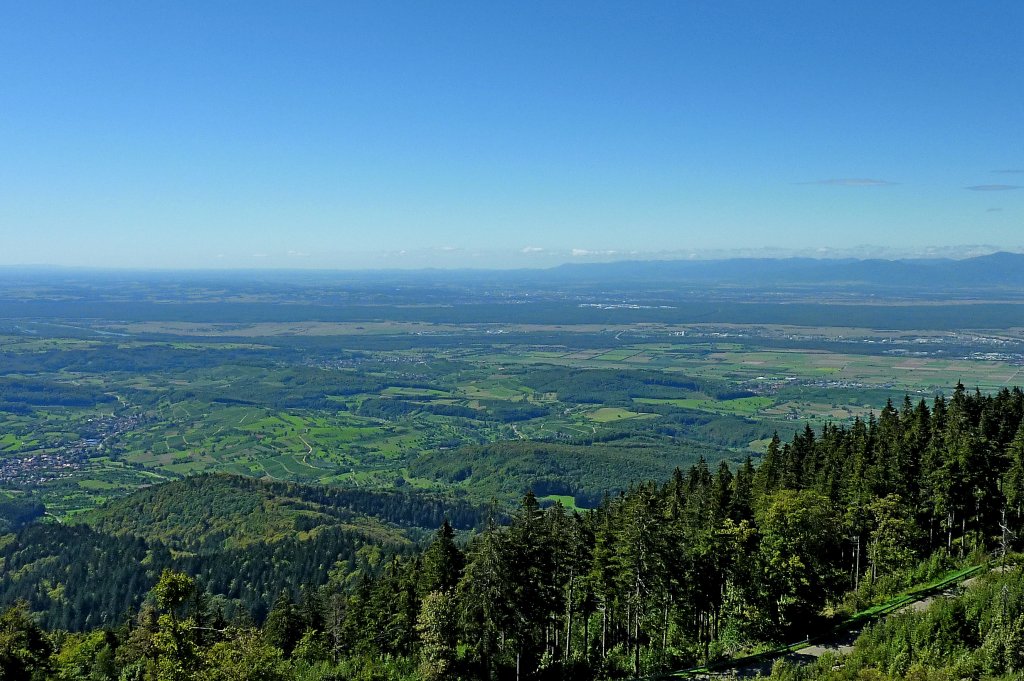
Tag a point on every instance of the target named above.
point(702, 566)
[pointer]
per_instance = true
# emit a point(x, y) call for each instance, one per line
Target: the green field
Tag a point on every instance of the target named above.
point(568, 502)
point(293, 403)
point(610, 414)
point(745, 406)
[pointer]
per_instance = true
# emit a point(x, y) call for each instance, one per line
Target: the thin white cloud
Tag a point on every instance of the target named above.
point(532, 249)
point(297, 254)
point(587, 253)
point(994, 187)
point(260, 255)
point(852, 182)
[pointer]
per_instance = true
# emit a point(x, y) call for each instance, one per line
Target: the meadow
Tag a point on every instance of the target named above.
point(91, 410)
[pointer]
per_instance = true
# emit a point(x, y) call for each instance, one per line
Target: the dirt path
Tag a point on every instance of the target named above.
point(309, 450)
point(841, 643)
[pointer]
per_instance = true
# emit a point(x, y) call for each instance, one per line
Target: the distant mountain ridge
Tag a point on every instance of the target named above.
point(998, 270)
point(991, 276)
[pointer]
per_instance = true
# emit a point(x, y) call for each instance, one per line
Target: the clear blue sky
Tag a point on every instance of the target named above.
point(343, 134)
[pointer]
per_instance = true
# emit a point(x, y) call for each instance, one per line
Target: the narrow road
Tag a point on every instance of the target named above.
point(840, 643)
point(309, 450)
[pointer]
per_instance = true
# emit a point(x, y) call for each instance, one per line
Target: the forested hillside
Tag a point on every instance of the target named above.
point(246, 540)
point(498, 470)
point(204, 513)
point(706, 564)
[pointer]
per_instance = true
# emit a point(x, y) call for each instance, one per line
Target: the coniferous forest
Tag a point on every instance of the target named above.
point(703, 566)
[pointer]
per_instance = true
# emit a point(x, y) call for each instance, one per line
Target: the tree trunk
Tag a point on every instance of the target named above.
point(629, 624)
point(586, 635)
point(568, 618)
point(636, 643)
point(604, 632)
point(664, 628)
point(636, 631)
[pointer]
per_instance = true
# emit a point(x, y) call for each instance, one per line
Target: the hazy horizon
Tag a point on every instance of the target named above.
point(445, 260)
